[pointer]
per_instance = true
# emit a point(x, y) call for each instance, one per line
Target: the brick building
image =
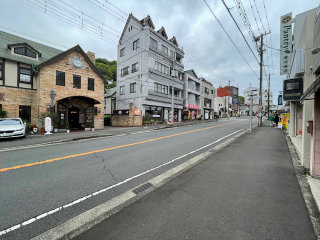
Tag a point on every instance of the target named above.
point(29, 71)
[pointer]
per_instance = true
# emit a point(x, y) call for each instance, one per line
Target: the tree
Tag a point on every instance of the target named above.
point(241, 100)
point(107, 68)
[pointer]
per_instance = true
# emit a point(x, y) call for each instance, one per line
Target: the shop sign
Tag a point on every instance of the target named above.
point(285, 42)
point(292, 89)
point(137, 112)
point(193, 106)
point(47, 125)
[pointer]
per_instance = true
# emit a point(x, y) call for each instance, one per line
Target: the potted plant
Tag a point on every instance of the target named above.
point(55, 120)
point(92, 127)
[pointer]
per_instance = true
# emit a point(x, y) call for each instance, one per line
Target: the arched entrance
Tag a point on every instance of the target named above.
point(77, 112)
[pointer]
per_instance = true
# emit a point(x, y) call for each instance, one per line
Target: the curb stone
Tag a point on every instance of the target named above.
point(81, 223)
point(305, 188)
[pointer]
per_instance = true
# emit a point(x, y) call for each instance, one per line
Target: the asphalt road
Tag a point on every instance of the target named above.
point(247, 191)
point(37, 180)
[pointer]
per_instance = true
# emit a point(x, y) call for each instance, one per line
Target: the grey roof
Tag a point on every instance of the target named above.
point(109, 92)
point(10, 39)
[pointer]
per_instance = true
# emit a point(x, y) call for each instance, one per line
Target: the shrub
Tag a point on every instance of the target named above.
point(3, 114)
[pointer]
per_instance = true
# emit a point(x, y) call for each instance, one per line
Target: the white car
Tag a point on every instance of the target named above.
point(12, 128)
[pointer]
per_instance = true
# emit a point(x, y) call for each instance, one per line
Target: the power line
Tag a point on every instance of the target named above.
point(265, 11)
point(254, 15)
point(245, 19)
point(254, 1)
point(230, 38)
point(240, 30)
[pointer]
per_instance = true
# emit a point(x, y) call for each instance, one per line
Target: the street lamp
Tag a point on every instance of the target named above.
point(52, 96)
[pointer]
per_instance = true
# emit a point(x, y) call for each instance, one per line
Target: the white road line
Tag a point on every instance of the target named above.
point(3, 232)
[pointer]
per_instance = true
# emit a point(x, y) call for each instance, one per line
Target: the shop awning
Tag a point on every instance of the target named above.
point(312, 89)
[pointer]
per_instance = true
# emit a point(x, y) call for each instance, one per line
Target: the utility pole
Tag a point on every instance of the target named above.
point(228, 99)
point(261, 74)
point(269, 97)
point(172, 100)
point(251, 102)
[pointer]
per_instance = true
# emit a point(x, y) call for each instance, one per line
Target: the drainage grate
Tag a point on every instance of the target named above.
point(142, 188)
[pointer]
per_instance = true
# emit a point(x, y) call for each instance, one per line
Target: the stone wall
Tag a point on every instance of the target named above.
point(126, 121)
point(12, 98)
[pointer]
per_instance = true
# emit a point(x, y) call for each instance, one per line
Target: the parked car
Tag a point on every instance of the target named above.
point(12, 128)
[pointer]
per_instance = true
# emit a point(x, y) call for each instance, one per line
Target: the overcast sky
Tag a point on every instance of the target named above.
point(208, 49)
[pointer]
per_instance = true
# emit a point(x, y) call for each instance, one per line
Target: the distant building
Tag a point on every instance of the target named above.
point(208, 94)
point(255, 93)
point(230, 92)
point(192, 95)
point(110, 101)
point(149, 70)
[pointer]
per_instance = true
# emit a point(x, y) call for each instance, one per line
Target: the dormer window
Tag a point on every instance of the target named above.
point(25, 52)
point(24, 49)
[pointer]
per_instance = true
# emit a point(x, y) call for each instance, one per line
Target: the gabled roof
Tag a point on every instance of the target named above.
point(65, 53)
point(174, 41)
point(191, 72)
point(163, 32)
point(109, 92)
point(127, 23)
point(148, 20)
point(10, 40)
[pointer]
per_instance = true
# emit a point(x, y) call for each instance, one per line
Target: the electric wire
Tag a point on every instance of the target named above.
point(221, 25)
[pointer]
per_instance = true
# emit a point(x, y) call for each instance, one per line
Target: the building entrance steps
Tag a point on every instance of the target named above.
point(247, 190)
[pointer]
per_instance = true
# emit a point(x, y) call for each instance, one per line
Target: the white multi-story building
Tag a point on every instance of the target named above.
point(222, 105)
point(149, 67)
point(192, 94)
point(207, 99)
point(255, 93)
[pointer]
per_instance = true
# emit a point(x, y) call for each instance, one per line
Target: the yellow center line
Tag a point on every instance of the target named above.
point(110, 148)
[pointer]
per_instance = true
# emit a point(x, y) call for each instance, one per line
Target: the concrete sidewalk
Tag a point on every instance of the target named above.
point(248, 190)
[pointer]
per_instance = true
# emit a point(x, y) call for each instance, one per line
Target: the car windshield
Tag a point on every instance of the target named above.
point(9, 121)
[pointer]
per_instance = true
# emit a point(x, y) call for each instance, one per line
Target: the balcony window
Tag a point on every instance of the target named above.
point(161, 88)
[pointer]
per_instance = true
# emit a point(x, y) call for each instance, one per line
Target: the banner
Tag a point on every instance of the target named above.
point(285, 43)
point(280, 100)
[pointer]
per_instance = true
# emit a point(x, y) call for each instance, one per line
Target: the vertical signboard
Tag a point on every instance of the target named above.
point(280, 100)
point(285, 43)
